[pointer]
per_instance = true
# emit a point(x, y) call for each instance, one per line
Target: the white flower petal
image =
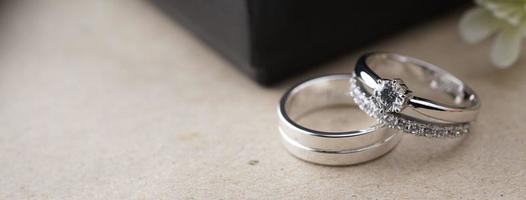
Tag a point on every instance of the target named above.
point(477, 24)
point(507, 47)
point(522, 27)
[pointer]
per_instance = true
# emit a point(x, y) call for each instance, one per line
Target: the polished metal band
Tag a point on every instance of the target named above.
point(329, 148)
point(392, 103)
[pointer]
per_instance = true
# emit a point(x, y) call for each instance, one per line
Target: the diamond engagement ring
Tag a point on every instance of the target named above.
point(392, 103)
point(353, 144)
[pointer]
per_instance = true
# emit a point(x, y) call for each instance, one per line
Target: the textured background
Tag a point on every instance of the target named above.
point(110, 99)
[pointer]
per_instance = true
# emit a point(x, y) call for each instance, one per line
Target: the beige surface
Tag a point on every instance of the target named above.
point(111, 100)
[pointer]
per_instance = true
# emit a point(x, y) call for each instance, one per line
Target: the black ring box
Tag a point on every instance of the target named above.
point(271, 40)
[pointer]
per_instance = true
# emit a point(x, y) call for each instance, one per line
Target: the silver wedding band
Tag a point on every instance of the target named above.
point(329, 148)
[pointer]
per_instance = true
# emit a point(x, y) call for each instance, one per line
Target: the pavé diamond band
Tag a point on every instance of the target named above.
point(392, 103)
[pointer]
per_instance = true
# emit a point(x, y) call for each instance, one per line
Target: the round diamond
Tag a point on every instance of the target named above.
point(391, 95)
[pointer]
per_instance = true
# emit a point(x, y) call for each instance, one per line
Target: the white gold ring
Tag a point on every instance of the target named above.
point(392, 103)
point(329, 148)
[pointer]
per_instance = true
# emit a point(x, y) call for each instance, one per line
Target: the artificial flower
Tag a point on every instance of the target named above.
point(506, 19)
